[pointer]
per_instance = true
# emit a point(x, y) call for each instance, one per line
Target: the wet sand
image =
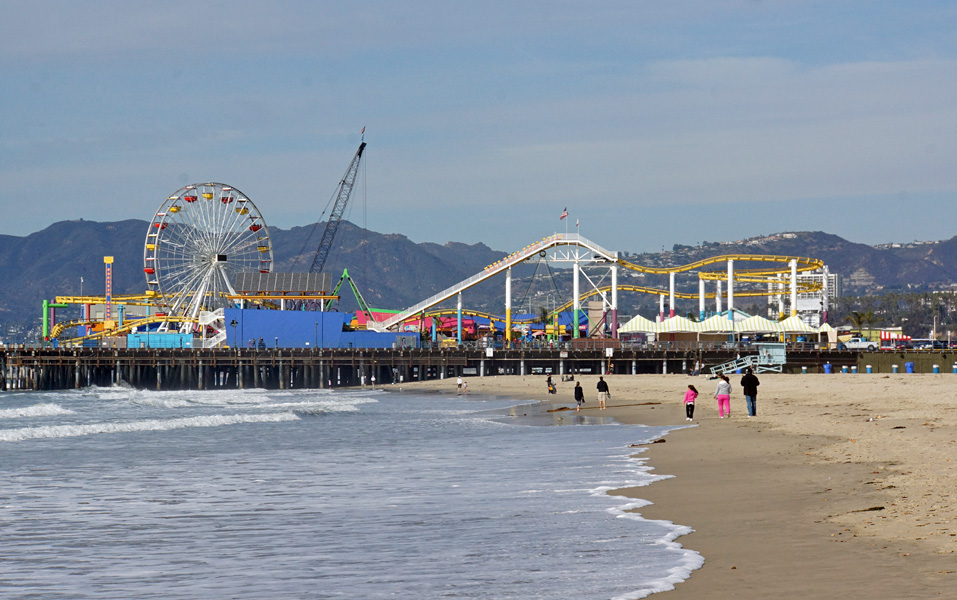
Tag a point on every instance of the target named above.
point(843, 486)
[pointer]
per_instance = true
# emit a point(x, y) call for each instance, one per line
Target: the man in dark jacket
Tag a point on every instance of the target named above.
point(749, 385)
point(603, 394)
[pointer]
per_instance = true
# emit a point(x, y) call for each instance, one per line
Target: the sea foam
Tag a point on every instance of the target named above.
point(60, 431)
point(37, 410)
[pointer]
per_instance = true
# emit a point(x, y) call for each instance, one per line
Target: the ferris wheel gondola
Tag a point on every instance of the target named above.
point(199, 239)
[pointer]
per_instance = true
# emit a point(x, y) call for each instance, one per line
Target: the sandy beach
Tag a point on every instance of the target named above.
point(843, 486)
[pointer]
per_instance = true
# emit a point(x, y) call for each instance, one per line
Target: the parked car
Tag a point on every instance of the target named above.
point(859, 343)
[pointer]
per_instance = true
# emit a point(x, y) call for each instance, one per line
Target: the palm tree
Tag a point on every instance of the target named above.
point(869, 318)
point(857, 319)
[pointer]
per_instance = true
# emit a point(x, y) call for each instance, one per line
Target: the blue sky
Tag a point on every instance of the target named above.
point(655, 123)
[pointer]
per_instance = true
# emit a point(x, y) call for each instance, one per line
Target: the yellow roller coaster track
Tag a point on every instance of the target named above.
point(59, 328)
point(451, 312)
point(802, 289)
point(804, 264)
point(147, 299)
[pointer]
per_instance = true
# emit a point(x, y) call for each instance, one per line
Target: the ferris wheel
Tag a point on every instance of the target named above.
point(199, 239)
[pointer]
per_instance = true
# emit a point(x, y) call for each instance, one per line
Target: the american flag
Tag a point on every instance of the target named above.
point(564, 214)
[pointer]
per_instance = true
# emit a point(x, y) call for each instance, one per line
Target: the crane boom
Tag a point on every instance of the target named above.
point(335, 217)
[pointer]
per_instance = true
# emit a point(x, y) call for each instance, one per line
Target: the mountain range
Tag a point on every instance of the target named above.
point(394, 272)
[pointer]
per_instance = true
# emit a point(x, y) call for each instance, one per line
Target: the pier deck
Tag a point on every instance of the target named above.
point(179, 369)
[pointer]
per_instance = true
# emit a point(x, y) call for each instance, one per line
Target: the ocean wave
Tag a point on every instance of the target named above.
point(37, 410)
point(251, 398)
point(62, 431)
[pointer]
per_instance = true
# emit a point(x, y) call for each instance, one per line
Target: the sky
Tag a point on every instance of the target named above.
point(654, 123)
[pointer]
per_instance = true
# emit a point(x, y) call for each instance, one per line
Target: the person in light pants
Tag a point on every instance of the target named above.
point(723, 395)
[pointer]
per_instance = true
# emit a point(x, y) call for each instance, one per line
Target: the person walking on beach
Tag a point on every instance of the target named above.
point(723, 395)
point(458, 385)
point(690, 396)
point(749, 385)
point(603, 394)
point(579, 396)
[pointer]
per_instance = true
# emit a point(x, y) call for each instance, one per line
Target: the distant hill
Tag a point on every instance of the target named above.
point(394, 272)
point(866, 269)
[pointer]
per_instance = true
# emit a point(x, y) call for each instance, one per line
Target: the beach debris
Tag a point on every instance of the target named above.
point(871, 509)
point(899, 427)
point(658, 441)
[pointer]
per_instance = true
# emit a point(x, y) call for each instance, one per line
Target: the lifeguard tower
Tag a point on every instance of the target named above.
point(771, 358)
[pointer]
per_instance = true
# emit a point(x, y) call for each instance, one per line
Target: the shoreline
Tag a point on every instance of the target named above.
point(841, 486)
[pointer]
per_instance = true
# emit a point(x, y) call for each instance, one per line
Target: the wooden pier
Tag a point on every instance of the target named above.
point(192, 369)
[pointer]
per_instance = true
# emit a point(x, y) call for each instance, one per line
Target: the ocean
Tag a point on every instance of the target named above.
point(122, 493)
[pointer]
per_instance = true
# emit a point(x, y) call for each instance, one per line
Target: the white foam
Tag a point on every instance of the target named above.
point(37, 410)
point(239, 399)
point(62, 431)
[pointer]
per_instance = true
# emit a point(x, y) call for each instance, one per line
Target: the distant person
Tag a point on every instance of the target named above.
point(458, 385)
point(749, 385)
point(722, 394)
point(690, 396)
point(579, 396)
point(603, 394)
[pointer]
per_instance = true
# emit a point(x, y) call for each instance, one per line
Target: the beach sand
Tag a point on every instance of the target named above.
point(843, 486)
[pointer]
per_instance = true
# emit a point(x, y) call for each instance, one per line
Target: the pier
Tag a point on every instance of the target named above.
point(220, 369)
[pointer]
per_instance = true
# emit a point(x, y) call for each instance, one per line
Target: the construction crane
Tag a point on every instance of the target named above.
point(335, 217)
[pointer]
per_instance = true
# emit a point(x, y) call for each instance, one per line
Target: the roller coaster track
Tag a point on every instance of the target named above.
point(59, 328)
point(452, 312)
point(750, 275)
point(803, 287)
point(552, 241)
point(763, 276)
point(148, 299)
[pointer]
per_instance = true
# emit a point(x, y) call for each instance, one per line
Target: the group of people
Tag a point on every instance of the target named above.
point(722, 393)
point(603, 394)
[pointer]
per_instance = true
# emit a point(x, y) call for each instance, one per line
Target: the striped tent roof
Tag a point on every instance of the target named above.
point(639, 324)
point(757, 324)
point(796, 325)
point(717, 324)
point(677, 324)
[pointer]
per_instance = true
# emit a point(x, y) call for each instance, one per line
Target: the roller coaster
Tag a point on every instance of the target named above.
point(579, 250)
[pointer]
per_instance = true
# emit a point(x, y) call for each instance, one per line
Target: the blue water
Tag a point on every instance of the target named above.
point(118, 493)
